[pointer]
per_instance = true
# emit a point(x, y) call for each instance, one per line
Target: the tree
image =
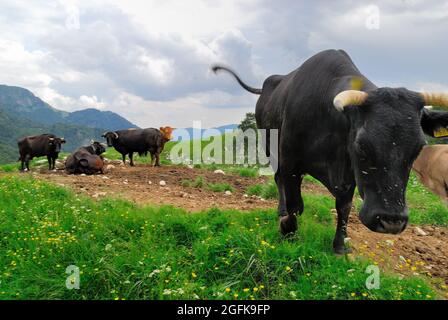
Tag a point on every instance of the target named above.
point(248, 122)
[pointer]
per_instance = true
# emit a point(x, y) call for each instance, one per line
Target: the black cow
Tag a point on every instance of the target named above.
point(141, 141)
point(38, 146)
point(368, 137)
point(87, 160)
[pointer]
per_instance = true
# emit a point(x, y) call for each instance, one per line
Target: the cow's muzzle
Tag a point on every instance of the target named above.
point(385, 222)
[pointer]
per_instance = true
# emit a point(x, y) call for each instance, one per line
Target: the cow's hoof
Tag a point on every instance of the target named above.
point(288, 225)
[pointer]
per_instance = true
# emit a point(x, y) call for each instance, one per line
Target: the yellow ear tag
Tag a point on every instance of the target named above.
point(441, 132)
point(357, 83)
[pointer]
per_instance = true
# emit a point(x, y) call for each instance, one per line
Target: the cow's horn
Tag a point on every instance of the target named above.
point(435, 99)
point(349, 98)
point(51, 139)
point(116, 135)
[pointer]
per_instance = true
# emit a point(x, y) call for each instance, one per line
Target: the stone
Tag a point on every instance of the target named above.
point(419, 231)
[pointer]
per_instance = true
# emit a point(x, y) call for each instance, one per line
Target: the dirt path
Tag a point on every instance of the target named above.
point(423, 252)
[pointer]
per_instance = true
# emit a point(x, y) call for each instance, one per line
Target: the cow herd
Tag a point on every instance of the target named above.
point(333, 123)
point(89, 159)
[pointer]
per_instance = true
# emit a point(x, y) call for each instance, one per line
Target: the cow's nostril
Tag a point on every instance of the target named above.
point(393, 226)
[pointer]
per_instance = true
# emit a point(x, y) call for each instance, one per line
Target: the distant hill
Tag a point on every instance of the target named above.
point(22, 114)
point(94, 118)
point(202, 133)
point(23, 103)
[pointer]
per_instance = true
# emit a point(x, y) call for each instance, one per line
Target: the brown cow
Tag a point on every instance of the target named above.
point(431, 167)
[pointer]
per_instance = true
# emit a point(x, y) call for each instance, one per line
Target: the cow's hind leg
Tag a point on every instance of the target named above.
point(22, 163)
point(131, 157)
point(290, 202)
point(343, 207)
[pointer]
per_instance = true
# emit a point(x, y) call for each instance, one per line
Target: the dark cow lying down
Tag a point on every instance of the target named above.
point(38, 146)
point(368, 137)
point(87, 160)
point(141, 141)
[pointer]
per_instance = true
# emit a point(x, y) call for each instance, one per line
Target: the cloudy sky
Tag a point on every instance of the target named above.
point(149, 60)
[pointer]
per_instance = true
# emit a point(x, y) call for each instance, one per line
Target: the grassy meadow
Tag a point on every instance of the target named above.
point(125, 251)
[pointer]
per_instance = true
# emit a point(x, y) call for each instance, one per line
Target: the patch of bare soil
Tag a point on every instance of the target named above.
point(419, 250)
point(142, 184)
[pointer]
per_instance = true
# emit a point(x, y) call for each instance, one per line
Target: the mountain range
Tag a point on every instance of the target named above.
point(22, 114)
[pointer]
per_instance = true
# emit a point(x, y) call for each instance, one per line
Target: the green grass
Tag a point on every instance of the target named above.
point(200, 183)
point(131, 252)
point(220, 187)
point(425, 207)
point(40, 162)
point(265, 191)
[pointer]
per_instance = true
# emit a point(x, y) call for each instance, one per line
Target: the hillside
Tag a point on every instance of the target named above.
point(22, 114)
point(22, 102)
point(94, 118)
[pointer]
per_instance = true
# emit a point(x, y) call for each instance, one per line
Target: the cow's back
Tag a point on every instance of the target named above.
point(301, 108)
point(35, 146)
point(139, 140)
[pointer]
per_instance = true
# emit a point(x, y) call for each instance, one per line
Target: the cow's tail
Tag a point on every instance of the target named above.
point(216, 68)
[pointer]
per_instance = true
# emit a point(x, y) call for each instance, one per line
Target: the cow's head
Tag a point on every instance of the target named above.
point(98, 147)
point(110, 138)
point(387, 129)
point(167, 133)
point(55, 144)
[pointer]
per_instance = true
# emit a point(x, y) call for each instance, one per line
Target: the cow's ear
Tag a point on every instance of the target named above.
point(435, 123)
point(162, 129)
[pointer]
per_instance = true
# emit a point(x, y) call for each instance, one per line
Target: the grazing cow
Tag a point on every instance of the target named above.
point(431, 167)
point(337, 126)
point(87, 160)
point(38, 146)
point(141, 141)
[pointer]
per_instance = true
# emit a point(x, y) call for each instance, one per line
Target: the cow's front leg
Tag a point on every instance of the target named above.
point(123, 157)
point(343, 207)
point(290, 203)
point(50, 160)
point(27, 162)
point(22, 164)
point(157, 164)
